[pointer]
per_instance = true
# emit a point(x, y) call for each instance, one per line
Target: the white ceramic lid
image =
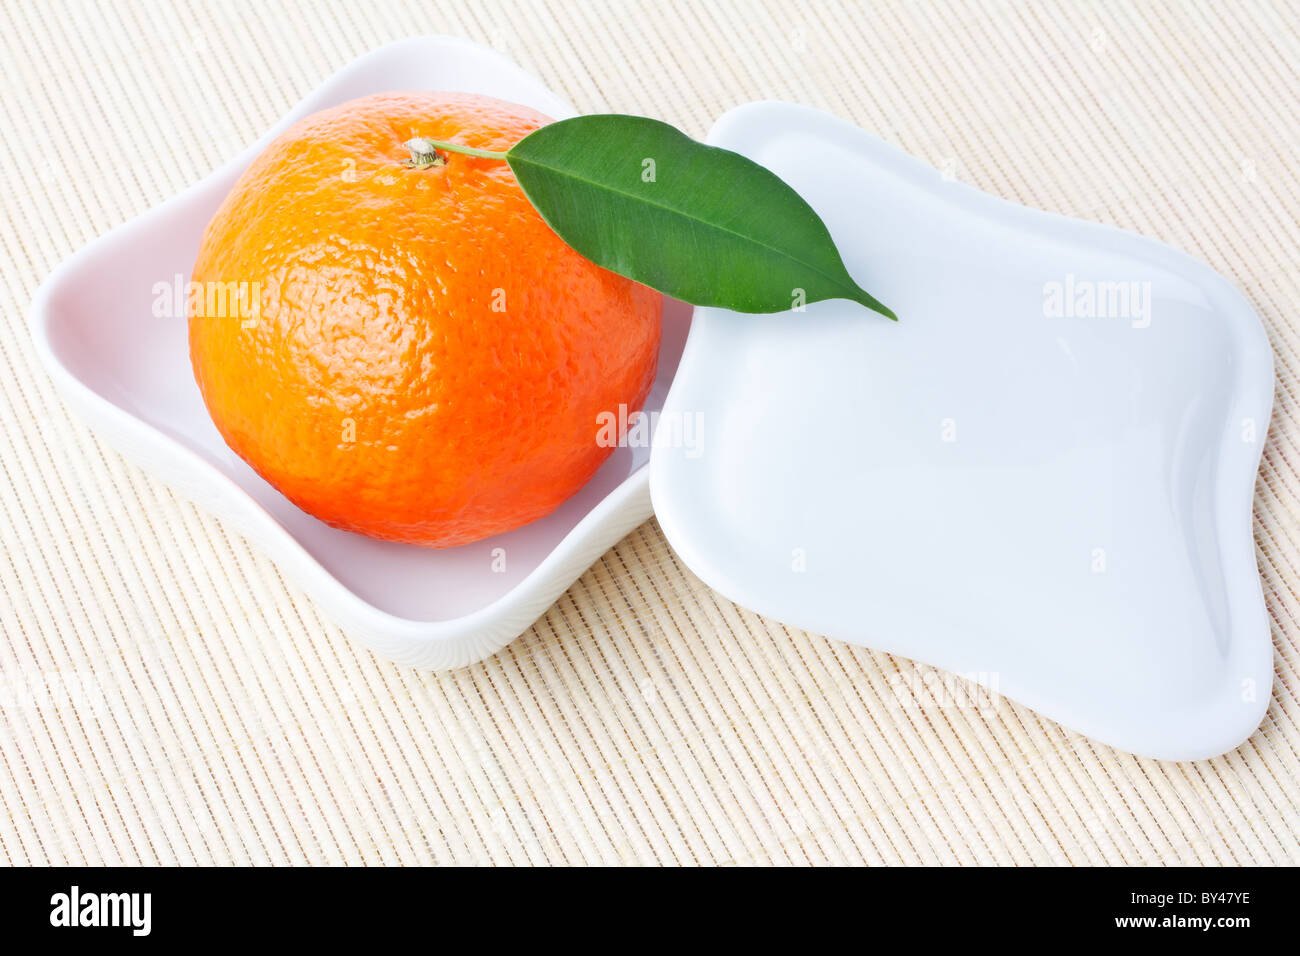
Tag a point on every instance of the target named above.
point(1040, 478)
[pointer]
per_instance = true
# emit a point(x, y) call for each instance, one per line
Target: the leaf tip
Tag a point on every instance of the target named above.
point(875, 305)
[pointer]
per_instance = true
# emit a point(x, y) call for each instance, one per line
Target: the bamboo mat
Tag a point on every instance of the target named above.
point(166, 698)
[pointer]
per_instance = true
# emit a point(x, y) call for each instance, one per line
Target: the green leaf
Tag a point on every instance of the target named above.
point(699, 223)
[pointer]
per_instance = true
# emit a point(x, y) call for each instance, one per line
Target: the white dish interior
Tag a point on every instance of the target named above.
point(1056, 505)
point(128, 373)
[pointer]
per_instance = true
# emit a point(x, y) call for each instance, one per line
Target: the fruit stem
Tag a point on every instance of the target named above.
point(425, 152)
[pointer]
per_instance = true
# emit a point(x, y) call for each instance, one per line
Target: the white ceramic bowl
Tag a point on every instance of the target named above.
point(1049, 496)
point(127, 373)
